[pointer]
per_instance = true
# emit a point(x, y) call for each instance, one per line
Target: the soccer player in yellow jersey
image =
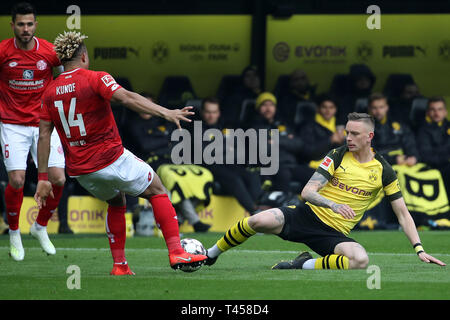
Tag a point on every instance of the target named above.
point(337, 195)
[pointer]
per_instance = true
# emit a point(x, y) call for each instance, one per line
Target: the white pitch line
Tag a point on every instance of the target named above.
point(232, 251)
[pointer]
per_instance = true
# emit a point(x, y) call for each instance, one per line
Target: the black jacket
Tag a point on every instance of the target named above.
point(290, 145)
point(434, 143)
point(287, 104)
point(232, 106)
point(391, 136)
point(346, 104)
point(147, 138)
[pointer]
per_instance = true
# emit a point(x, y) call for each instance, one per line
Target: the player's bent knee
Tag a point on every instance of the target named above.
point(155, 188)
point(118, 201)
point(269, 221)
point(255, 222)
point(359, 261)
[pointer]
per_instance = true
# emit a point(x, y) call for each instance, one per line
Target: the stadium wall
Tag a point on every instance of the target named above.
point(146, 49)
point(324, 45)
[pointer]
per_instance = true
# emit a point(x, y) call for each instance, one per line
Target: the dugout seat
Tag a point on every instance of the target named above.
point(227, 86)
point(175, 91)
point(361, 105)
point(281, 86)
point(340, 85)
point(118, 110)
point(247, 113)
point(395, 83)
point(418, 111)
point(197, 104)
point(305, 112)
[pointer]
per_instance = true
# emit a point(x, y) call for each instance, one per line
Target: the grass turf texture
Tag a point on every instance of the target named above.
point(242, 273)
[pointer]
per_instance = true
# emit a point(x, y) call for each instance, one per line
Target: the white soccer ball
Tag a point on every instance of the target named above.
point(192, 246)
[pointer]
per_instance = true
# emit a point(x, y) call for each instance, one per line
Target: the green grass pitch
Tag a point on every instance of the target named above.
point(242, 273)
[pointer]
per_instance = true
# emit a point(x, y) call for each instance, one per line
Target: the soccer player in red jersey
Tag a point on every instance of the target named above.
point(26, 64)
point(77, 104)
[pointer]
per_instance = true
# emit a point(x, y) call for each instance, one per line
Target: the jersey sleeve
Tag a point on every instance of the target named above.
point(54, 60)
point(331, 161)
point(391, 185)
point(50, 53)
point(106, 85)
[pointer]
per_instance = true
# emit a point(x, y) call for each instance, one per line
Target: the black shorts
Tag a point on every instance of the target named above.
point(302, 225)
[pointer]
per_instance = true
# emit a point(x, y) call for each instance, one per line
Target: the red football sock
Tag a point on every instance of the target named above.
point(117, 233)
point(52, 203)
point(13, 199)
point(166, 217)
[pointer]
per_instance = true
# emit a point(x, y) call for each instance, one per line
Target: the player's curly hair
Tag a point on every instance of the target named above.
point(69, 44)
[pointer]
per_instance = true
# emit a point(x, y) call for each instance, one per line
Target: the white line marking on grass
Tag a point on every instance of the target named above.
point(231, 251)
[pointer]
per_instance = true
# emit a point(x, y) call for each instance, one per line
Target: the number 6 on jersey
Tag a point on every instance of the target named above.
point(78, 122)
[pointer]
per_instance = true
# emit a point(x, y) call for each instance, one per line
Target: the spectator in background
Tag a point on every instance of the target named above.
point(149, 139)
point(291, 147)
point(434, 139)
point(361, 80)
point(300, 89)
point(323, 133)
point(249, 88)
point(393, 140)
point(401, 107)
point(236, 180)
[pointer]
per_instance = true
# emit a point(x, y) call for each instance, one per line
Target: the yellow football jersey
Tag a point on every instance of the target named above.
point(355, 184)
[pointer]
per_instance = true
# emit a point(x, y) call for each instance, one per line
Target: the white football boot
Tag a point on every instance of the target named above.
point(16, 248)
point(40, 233)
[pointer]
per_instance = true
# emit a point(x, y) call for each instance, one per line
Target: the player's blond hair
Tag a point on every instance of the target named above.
point(363, 117)
point(67, 43)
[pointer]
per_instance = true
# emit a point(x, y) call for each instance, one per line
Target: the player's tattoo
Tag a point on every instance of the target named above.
point(335, 206)
point(278, 216)
point(311, 191)
point(317, 180)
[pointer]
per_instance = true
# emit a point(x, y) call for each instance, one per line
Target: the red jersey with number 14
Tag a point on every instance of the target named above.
point(77, 102)
point(24, 75)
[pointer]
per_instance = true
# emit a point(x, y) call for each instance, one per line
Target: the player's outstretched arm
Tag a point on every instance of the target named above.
point(140, 104)
point(44, 187)
point(311, 194)
point(409, 227)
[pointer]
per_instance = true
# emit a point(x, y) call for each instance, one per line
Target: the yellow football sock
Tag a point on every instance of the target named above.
point(331, 261)
point(236, 235)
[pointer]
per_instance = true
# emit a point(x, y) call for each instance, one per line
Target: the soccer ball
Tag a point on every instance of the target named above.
point(192, 246)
